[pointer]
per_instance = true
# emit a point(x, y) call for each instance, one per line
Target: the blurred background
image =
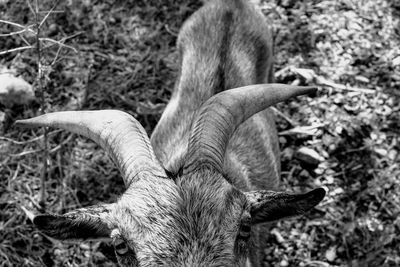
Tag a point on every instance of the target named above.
point(121, 55)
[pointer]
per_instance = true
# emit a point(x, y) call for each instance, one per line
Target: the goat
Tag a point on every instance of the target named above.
point(200, 198)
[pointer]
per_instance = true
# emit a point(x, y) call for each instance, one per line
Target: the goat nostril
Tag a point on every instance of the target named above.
point(246, 228)
point(244, 232)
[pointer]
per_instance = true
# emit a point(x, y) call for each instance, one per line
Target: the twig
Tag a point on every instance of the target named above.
point(358, 149)
point(305, 130)
point(56, 56)
point(14, 176)
point(59, 146)
point(25, 29)
point(168, 29)
point(322, 81)
point(31, 7)
point(280, 114)
point(28, 213)
point(53, 12)
point(25, 153)
point(42, 198)
point(28, 28)
point(16, 49)
point(48, 13)
point(310, 76)
point(60, 43)
point(25, 41)
point(37, 206)
point(27, 141)
point(12, 33)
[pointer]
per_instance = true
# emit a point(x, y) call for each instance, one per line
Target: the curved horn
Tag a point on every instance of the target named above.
point(117, 132)
point(220, 115)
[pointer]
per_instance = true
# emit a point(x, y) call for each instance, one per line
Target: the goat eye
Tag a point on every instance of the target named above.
point(244, 231)
point(120, 247)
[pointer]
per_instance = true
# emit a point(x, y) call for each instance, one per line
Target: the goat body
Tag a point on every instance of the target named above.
point(226, 44)
point(200, 198)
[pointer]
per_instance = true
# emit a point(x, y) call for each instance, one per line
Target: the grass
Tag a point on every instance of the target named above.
point(126, 59)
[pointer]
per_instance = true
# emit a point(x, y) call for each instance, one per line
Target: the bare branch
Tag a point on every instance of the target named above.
point(31, 7)
point(279, 113)
point(304, 130)
point(37, 10)
point(16, 49)
point(60, 43)
point(12, 33)
point(311, 77)
point(23, 39)
point(56, 56)
point(48, 13)
point(24, 28)
point(322, 81)
point(41, 87)
point(13, 24)
point(24, 153)
point(53, 12)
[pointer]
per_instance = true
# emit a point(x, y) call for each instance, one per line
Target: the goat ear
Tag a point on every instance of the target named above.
point(80, 224)
point(270, 206)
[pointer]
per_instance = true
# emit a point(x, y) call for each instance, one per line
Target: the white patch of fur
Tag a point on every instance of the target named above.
point(241, 167)
point(263, 127)
point(248, 263)
point(188, 59)
point(178, 152)
point(142, 219)
point(170, 109)
point(246, 64)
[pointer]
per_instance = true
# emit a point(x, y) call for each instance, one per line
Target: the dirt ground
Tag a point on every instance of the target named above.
point(121, 54)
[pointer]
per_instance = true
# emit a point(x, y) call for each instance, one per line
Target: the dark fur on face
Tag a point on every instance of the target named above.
point(209, 219)
point(195, 223)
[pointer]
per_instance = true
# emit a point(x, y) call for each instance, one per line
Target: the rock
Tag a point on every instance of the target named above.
point(307, 74)
point(14, 90)
point(279, 238)
point(304, 174)
point(287, 154)
point(284, 263)
point(309, 156)
point(330, 254)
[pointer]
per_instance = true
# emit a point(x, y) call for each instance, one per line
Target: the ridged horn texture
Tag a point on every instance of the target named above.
point(220, 115)
point(115, 131)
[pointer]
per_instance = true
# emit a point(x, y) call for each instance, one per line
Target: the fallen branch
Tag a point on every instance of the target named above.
point(311, 77)
point(303, 130)
point(322, 81)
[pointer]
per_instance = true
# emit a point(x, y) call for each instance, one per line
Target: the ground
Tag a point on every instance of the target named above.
point(345, 139)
